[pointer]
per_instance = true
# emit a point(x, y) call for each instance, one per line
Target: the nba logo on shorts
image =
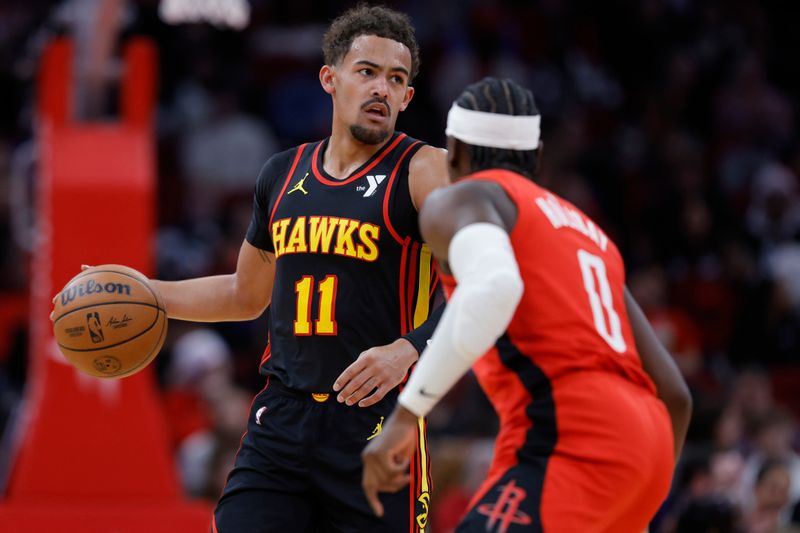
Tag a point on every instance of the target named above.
point(95, 328)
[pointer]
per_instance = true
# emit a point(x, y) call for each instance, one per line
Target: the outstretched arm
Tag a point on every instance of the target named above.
point(467, 231)
point(242, 295)
point(661, 368)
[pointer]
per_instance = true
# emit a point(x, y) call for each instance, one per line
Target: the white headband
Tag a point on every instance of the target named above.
point(514, 132)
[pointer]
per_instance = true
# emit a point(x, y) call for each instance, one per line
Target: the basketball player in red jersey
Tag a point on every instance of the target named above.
point(593, 411)
point(334, 249)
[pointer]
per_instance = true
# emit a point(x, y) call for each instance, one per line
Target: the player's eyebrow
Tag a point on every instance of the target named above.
point(377, 66)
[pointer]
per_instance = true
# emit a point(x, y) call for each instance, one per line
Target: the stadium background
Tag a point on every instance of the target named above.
point(671, 122)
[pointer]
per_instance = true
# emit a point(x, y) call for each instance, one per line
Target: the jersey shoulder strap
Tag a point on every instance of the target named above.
point(400, 215)
point(275, 172)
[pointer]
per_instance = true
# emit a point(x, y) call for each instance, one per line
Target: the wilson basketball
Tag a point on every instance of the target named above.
point(109, 322)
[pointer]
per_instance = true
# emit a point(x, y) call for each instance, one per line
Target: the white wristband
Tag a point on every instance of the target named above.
point(489, 290)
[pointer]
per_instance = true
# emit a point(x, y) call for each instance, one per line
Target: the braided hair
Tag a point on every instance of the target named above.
point(492, 95)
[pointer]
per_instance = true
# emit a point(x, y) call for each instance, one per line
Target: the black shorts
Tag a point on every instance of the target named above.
point(299, 468)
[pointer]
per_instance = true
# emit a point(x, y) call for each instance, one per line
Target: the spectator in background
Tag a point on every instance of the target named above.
point(205, 458)
point(750, 110)
point(773, 216)
point(708, 517)
point(770, 498)
point(699, 508)
point(220, 155)
point(751, 396)
point(674, 328)
point(206, 410)
point(773, 442)
point(729, 431)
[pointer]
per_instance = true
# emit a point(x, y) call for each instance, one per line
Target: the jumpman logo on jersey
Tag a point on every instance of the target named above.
point(377, 430)
point(506, 509)
point(299, 186)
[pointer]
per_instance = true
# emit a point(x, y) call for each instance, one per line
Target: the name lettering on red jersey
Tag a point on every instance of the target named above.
point(563, 216)
point(326, 235)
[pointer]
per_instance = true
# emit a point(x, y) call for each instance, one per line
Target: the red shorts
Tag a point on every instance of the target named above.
point(594, 456)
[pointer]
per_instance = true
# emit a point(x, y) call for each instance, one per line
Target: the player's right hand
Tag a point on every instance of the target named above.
point(376, 371)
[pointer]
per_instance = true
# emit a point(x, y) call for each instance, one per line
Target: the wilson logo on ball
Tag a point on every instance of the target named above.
point(90, 287)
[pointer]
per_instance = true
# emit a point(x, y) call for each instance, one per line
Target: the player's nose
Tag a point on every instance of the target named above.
point(380, 87)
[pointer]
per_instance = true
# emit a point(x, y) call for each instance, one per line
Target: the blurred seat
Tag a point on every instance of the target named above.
point(785, 381)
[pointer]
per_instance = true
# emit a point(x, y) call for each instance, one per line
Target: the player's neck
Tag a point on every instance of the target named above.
point(344, 154)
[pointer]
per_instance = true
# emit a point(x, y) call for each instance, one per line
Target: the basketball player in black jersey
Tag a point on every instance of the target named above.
point(334, 249)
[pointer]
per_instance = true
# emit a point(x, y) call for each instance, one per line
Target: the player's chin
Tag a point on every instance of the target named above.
point(369, 134)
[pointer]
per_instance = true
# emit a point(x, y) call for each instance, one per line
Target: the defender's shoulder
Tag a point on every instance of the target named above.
point(427, 172)
point(429, 155)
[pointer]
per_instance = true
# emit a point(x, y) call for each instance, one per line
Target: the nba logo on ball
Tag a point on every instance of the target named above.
point(135, 328)
point(95, 328)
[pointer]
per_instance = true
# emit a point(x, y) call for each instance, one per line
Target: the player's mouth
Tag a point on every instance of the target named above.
point(376, 111)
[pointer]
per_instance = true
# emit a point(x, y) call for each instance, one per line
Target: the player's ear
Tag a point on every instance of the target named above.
point(538, 164)
point(326, 78)
point(455, 155)
point(454, 149)
point(459, 162)
point(452, 158)
point(408, 97)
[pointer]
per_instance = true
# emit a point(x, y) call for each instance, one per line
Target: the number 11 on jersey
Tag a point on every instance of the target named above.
point(326, 322)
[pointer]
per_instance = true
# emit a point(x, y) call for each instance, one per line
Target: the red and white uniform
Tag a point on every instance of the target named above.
point(584, 443)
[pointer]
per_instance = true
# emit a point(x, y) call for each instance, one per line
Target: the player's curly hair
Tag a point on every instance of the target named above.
point(493, 95)
point(369, 20)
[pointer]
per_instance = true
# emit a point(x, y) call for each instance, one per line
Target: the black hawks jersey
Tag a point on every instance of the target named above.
point(352, 272)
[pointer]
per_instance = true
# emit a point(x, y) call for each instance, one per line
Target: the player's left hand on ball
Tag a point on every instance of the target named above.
point(53, 301)
point(376, 371)
point(387, 457)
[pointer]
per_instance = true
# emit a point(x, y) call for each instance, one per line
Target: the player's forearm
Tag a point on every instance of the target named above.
point(680, 412)
point(420, 336)
point(480, 310)
point(210, 299)
point(659, 365)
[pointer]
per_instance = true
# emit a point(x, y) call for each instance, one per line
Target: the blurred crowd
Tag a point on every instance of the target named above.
point(673, 123)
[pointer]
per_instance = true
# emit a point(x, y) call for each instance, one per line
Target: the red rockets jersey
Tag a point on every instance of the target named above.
point(572, 315)
point(579, 417)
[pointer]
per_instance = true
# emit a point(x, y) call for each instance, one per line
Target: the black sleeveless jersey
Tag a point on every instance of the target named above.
point(352, 271)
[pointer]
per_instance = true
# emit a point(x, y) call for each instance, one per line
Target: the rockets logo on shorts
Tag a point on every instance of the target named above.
point(505, 511)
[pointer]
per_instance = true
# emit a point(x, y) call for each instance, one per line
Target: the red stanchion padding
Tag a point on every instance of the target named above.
point(92, 454)
point(139, 83)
